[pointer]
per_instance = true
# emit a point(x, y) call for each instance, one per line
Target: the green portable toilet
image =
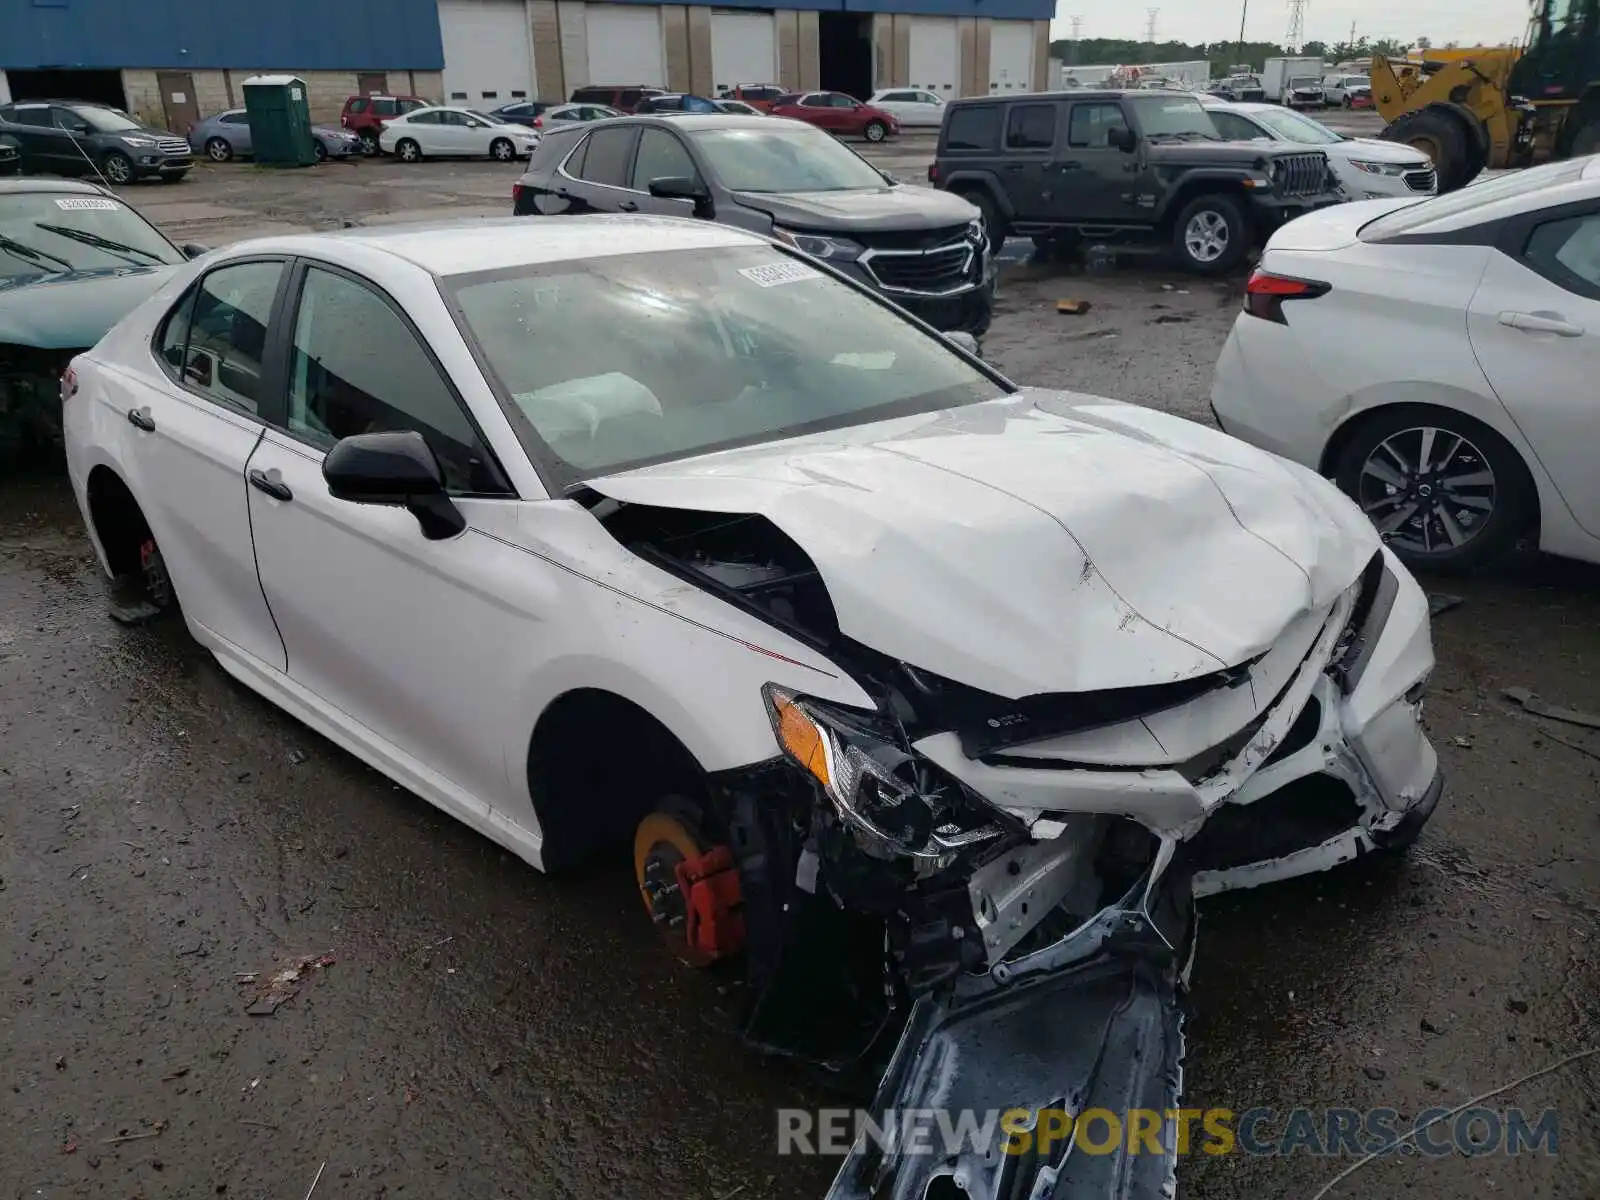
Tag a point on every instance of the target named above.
point(280, 120)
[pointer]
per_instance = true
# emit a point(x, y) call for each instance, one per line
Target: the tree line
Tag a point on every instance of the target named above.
point(1221, 55)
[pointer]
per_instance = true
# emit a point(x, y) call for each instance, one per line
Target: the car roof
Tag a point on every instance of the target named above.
point(76, 187)
point(1083, 93)
point(464, 247)
point(701, 120)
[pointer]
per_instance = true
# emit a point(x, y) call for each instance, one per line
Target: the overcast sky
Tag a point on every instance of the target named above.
point(1470, 22)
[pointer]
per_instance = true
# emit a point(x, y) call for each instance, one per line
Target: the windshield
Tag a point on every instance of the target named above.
point(60, 227)
point(1172, 116)
point(799, 159)
point(1292, 127)
point(631, 359)
point(105, 120)
point(1461, 203)
point(1305, 81)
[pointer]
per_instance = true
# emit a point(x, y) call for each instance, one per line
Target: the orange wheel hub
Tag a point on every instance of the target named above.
point(690, 889)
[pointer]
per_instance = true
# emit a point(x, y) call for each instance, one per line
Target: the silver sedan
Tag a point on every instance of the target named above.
point(226, 135)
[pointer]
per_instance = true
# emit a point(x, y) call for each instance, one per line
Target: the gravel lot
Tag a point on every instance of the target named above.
point(486, 1030)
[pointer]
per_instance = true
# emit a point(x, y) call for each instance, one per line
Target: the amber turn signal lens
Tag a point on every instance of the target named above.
point(800, 737)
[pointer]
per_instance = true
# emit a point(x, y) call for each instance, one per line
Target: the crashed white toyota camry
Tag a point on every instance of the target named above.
point(933, 697)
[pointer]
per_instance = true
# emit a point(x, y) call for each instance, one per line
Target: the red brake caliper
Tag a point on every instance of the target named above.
point(713, 903)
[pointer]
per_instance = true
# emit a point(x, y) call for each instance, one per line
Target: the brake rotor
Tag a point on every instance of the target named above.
point(662, 842)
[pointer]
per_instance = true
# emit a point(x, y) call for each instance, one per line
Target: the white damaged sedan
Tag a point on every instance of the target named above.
point(935, 698)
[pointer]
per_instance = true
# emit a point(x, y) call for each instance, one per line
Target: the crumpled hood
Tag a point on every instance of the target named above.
point(867, 210)
point(73, 310)
point(1043, 542)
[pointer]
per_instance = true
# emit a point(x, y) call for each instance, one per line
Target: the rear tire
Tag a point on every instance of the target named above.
point(321, 152)
point(219, 150)
point(369, 142)
point(1372, 470)
point(1444, 139)
point(1212, 235)
point(1587, 138)
point(408, 151)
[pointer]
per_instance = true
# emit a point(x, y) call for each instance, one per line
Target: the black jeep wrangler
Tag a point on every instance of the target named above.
point(1123, 167)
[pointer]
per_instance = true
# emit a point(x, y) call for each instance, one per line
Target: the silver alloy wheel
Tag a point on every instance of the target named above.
point(117, 168)
point(409, 151)
point(1428, 490)
point(502, 150)
point(218, 150)
point(875, 132)
point(1207, 236)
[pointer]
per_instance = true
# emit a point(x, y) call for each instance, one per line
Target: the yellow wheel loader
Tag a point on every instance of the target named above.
point(1506, 107)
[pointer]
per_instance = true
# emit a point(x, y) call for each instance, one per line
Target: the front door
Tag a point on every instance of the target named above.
point(194, 418)
point(1100, 178)
point(1535, 328)
point(406, 636)
point(661, 155)
point(371, 83)
point(1032, 176)
point(178, 100)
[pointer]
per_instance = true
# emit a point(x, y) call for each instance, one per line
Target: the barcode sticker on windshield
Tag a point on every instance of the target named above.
point(95, 202)
point(773, 274)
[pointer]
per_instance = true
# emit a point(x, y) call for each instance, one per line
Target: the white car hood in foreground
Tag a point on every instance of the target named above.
point(1043, 542)
point(1377, 150)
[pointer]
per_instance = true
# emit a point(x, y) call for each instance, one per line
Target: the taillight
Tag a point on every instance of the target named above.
point(69, 384)
point(538, 122)
point(933, 172)
point(1265, 293)
point(516, 195)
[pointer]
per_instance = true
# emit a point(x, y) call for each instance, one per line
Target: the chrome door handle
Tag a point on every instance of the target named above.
point(1535, 323)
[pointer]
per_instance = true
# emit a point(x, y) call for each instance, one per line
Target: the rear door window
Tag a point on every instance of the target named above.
point(974, 128)
point(358, 104)
point(1031, 127)
point(605, 159)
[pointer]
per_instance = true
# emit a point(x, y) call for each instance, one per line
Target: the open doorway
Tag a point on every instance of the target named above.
point(844, 50)
point(100, 87)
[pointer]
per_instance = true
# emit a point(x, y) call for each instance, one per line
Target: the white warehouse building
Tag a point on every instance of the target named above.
point(496, 51)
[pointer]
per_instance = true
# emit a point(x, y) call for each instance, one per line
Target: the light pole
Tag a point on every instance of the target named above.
point(1244, 9)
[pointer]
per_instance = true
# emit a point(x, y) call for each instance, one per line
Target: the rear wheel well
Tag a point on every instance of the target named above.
point(1343, 436)
point(119, 523)
point(597, 764)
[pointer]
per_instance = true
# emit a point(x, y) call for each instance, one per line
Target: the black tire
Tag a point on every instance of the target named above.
point(156, 579)
point(117, 167)
point(1586, 138)
point(1511, 494)
point(1349, 103)
point(501, 150)
point(994, 221)
point(407, 150)
point(369, 142)
point(875, 131)
point(1442, 137)
point(321, 152)
point(1227, 234)
point(218, 149)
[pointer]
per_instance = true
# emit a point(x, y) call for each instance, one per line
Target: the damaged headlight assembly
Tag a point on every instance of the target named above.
point(890, 798)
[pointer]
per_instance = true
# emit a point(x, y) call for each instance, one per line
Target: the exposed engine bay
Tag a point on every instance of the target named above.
point(958, 870)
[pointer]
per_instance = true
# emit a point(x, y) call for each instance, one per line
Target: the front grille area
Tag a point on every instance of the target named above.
point(172, 145)
point(1300, 815)
point(1300, 174)
point(912, 239)
point(924, 272)
point(1421, 181)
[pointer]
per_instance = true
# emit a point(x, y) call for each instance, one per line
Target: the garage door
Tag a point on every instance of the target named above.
point(1011, 56)
point(488, 58)
point(625, 44)
point(744, 48)
point(936, 56)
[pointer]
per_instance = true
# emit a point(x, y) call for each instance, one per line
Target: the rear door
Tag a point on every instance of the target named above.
point(45, 146)
point(598, 175)
point(1535, 327)
point(428, 131)
point(1032, 175)
point(196, 419)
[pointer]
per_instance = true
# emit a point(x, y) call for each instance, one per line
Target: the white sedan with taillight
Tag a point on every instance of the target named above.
point(1437, 359)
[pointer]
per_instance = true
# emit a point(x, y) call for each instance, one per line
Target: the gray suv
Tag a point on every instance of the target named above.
point(923, 249)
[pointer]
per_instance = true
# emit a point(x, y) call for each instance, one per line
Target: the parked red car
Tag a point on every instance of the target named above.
point(842, 115)
point(365, 115)
point(756, 95)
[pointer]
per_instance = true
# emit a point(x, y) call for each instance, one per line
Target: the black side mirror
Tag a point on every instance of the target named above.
point(1122, 138)
point(682, 187)
point(397, 469)
point(195, 250)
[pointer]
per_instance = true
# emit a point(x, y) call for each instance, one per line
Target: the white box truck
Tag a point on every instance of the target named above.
point(1277, 72)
